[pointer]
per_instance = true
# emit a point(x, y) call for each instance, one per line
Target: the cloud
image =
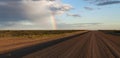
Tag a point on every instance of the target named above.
point(108, 3)
point(58, 8)
point(88, 8)
point(85, 24)
point(77, 25)
point(2, 3)
point(24, 13)
point(11, 12)
point(73, 15)
point(104, 2)
point(8, 0)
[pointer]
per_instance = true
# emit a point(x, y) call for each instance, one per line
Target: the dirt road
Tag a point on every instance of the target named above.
point(93, 44)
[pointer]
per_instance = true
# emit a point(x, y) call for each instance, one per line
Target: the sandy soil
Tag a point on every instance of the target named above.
point(10, 44)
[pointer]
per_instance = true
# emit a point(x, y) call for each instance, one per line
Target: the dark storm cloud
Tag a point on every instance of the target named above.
point(108, 3)
point(24, 13)
point(15, 11)
point(21, 0)
point(9, 0)
point(8, 12)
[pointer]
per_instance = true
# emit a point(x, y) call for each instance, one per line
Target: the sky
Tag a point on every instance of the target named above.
point(59, 14)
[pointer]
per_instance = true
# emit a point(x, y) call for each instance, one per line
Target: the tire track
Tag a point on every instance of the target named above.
point(59, 50)
point(104, 50)
point(113, 48)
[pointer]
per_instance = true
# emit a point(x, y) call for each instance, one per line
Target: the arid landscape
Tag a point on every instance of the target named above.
point(59, 28)
point(16, 39)
point(67, 44)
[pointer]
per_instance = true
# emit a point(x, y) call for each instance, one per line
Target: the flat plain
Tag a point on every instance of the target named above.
point(92, 44)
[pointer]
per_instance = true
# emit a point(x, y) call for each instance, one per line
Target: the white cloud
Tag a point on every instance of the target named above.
point(58, 8)
point(24, 13)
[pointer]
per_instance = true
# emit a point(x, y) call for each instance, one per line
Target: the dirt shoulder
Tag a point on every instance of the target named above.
point(9, 44)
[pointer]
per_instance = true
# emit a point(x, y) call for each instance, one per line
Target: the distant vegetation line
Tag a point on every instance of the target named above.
point(31, 33)
point(113, 32)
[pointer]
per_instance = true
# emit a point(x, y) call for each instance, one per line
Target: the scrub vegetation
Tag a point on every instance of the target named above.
point(33, 33)
point(113, 32)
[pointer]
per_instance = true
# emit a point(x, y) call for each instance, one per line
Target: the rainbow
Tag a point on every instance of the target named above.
point(53, 19)
point(53, 22)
